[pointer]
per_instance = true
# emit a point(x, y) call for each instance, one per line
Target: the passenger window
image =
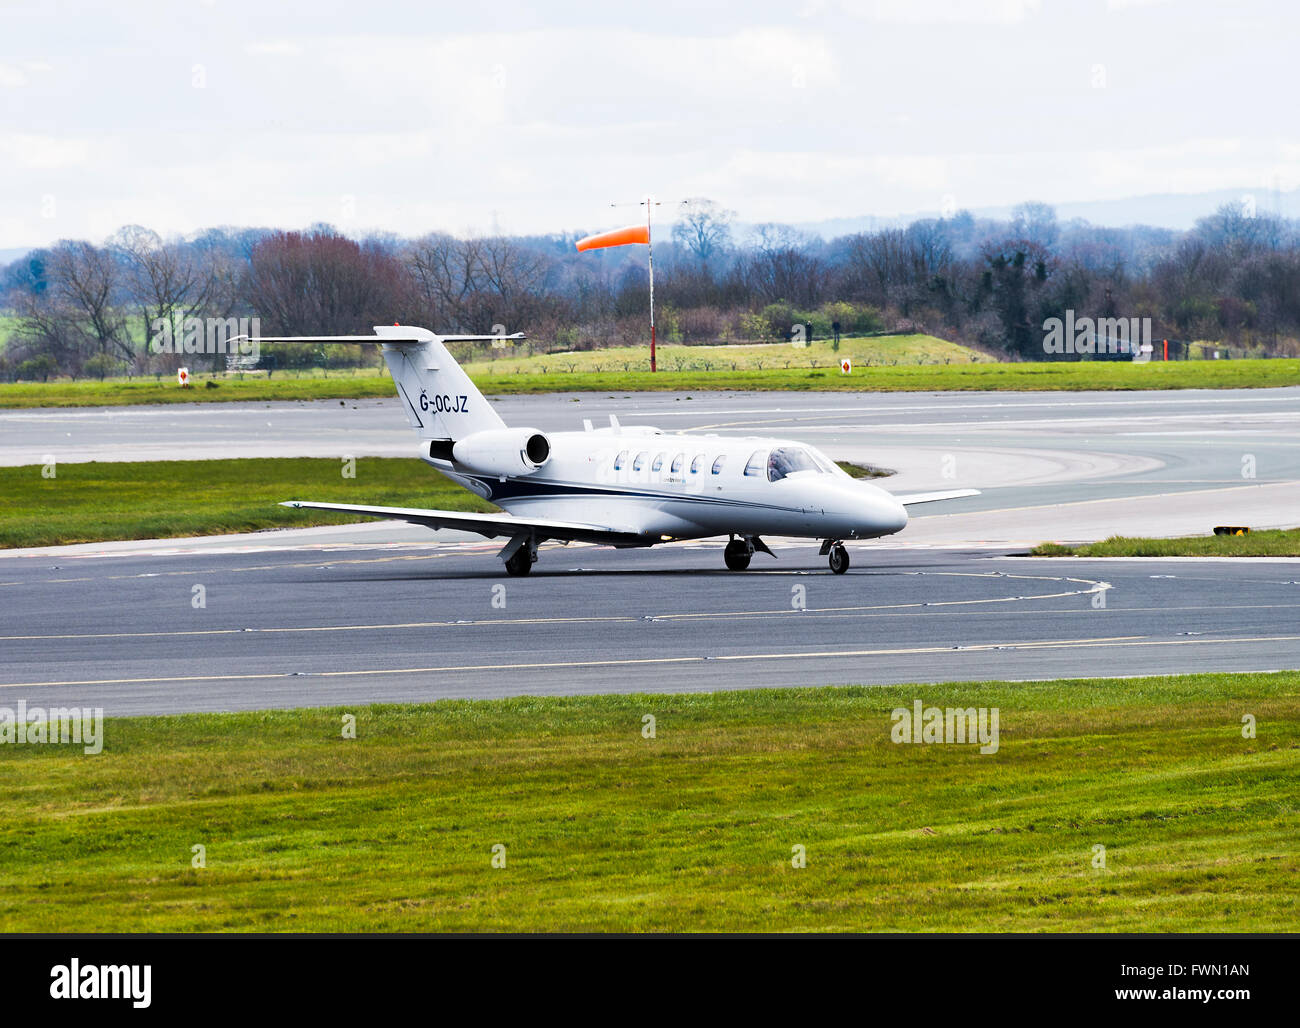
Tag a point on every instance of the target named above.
point(717, 464)
point(695, 464)
point(620, 460)
point(678, 461)
point(659, 462)
point(639, 463)
point(757, 462)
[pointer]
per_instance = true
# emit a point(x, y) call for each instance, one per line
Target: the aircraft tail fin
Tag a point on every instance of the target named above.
point(439, 399)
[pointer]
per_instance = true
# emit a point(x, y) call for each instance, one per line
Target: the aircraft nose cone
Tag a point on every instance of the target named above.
point(893, 515)
point(885, 513)
point(876, 512)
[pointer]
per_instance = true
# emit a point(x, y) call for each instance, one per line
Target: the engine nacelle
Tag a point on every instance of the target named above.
point(503, 451)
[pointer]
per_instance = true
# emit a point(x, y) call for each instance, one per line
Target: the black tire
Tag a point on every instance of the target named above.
point(736, 555)
point(520, 562)
point(839, 559)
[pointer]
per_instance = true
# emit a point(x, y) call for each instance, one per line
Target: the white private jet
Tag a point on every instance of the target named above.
point(620, 486)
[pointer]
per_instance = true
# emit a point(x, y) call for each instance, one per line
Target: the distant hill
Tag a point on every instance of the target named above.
point(1164, 210)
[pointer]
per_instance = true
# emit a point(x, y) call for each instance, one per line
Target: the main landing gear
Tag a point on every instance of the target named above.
point(521, 562)
point(839, 556)
point(520, 554)
point(739, 551)
point(737, 554)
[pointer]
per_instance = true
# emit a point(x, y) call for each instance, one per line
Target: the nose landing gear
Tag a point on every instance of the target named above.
point(839, 556)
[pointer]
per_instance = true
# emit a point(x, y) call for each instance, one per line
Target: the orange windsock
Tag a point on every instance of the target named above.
point(619, 237)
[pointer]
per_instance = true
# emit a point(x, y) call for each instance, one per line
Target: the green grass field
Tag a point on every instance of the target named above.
point(1275, 543)
point(874, 351)
point(163, 499)
point(501, 379)
point(691, 830)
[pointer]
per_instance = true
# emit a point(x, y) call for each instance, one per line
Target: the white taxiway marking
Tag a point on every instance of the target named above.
point(1120, 640)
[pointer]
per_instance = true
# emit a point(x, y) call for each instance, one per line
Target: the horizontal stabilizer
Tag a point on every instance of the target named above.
point(392, 340)
point(908, 499)
point(395, 340)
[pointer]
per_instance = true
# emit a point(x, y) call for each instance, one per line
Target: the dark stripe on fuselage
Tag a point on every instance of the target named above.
point(531, 488)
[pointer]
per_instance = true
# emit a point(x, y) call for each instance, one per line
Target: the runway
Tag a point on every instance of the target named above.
point(356, 625)
point(350, 615)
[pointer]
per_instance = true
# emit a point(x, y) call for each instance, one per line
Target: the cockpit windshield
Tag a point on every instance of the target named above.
point(786, 460)
point(825, 463)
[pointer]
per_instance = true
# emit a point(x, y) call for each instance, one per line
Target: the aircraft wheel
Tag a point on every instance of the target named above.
point(839, 559)
point(520, 562)
point(737, 555)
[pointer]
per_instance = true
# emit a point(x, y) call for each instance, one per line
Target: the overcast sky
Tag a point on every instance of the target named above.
point(535, 116)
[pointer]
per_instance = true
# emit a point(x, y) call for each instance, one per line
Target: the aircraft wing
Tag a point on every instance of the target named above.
point(907, 499)
point(488, 525)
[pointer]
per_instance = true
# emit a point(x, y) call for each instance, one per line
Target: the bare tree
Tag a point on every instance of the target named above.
point(510, 280)
point(471, 284)
point(1036, 223)
point(75, 309)
point(443, 270)
point(878, 264)
point(321, 283)
point(703, 229)
point(166, 282)
point(781, 268)
point(46, 327)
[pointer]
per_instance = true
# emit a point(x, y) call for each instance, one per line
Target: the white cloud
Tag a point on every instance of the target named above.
point(42, 152)
point(1124, 5)
point(436, 118)
point(1190, 166)
point(943, 12)
point(274, 48)
point(20, 74)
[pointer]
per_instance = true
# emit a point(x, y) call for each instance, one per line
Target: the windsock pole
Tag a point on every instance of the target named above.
point(632, 234)
point(650, 261)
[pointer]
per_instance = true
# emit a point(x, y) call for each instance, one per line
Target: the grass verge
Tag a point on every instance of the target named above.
point(864, 470)
point(164, 499)
point(874, 351)
point(1273, 543)
point(1050, 376)
point(694, 829)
